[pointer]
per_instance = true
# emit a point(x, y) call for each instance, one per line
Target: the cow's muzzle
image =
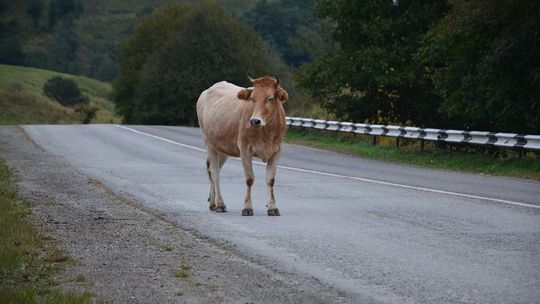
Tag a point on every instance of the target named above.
point(256, 122)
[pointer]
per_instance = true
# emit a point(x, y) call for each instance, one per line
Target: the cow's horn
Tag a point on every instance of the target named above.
point(277, 80)
point(250, 79)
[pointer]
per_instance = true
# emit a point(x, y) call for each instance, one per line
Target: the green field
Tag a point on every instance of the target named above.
point(503, 163)
point(22, 100)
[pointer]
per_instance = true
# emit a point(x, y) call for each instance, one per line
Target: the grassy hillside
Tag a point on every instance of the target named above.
point(22, 100)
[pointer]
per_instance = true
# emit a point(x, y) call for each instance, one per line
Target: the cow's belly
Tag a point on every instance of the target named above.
point(228, 150)
point(220, 127)
point(225, 143)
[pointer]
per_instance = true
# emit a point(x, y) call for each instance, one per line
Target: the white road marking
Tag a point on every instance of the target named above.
point(367, 180)
point(161, 138)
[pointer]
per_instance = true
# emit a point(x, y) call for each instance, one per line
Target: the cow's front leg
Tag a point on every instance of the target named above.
point(271, 167)
point(248, 171)
point(216, 161)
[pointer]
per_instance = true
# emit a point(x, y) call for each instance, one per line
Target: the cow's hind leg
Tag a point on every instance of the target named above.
point(212, 194)
point(271, 167)
point(216, 161)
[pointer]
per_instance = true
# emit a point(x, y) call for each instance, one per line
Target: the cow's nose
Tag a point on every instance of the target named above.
point(255, 122)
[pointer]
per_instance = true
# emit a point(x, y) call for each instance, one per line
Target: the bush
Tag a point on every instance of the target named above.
point(65, 91)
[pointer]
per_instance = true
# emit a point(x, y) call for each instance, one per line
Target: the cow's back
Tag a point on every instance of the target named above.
point(219, 112)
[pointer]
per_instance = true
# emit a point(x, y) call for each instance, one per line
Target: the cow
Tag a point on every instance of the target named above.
point(243, 122)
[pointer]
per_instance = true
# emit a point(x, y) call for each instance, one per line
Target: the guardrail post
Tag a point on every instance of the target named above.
point(397, 142)
point(422, 141)
point(374, 140)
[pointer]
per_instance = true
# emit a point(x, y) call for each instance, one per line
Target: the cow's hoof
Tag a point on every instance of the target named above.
point(221, 209)
point(247, 212)
point(212, 207)
point(273, 212)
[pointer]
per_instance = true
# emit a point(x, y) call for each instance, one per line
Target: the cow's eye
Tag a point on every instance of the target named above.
point(271, 99)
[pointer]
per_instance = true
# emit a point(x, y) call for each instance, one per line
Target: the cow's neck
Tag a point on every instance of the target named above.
point(264, 141)
point(272, 134)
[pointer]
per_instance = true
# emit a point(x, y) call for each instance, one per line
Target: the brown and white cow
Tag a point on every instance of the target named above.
point(243, 122)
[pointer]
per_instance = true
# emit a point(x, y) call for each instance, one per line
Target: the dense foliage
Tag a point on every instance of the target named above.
point(62, 10)
point(484, 60)
point(175, 54)
point(371, 74)
point(26, 38)
point(65, 91)
point(62, 35)
point(461, 64)
point(289, 26)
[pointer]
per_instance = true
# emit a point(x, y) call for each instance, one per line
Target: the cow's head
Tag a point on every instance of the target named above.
point(267, 96)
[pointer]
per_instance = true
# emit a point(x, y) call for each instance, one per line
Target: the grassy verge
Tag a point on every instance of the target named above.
point(28, 260)
point(22, 100)
point(506, 164)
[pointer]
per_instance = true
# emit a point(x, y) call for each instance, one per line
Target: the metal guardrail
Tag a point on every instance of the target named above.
point(509, 140)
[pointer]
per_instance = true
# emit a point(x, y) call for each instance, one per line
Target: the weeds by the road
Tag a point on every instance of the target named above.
point(183, 272)
point(27, 259)
point(431, 156)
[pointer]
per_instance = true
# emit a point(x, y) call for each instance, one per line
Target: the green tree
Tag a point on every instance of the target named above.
point(64, 10)
point(11, 51)
point(371, 73)
point(148, 37)
point(175, 54)
point(283, 24)
point(35, 10)
point(101, 67)
point(485, 64)
point(62, 50)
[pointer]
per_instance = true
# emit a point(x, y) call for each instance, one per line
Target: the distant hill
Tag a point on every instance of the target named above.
point(86, 35)
point(83, 41)
point(22, 100)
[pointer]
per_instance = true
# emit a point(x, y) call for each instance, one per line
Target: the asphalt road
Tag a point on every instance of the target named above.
point(376, 232)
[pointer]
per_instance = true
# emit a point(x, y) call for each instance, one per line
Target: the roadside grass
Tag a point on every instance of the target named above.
point(165, 248)
point(504, 163)
point(28, 260)
point(22, 100)
point(183, 272)
point(80, 279)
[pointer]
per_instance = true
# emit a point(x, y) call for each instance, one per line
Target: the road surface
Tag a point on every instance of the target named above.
point(374, 231)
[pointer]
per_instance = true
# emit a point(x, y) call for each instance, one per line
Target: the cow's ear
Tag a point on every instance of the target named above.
point(282, 95)
point(244, 94)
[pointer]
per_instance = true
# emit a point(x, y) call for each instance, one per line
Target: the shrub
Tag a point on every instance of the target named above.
point(87, 113)
point(65, 91)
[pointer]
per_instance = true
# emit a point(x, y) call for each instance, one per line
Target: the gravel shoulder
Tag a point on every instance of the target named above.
point(126, 253)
